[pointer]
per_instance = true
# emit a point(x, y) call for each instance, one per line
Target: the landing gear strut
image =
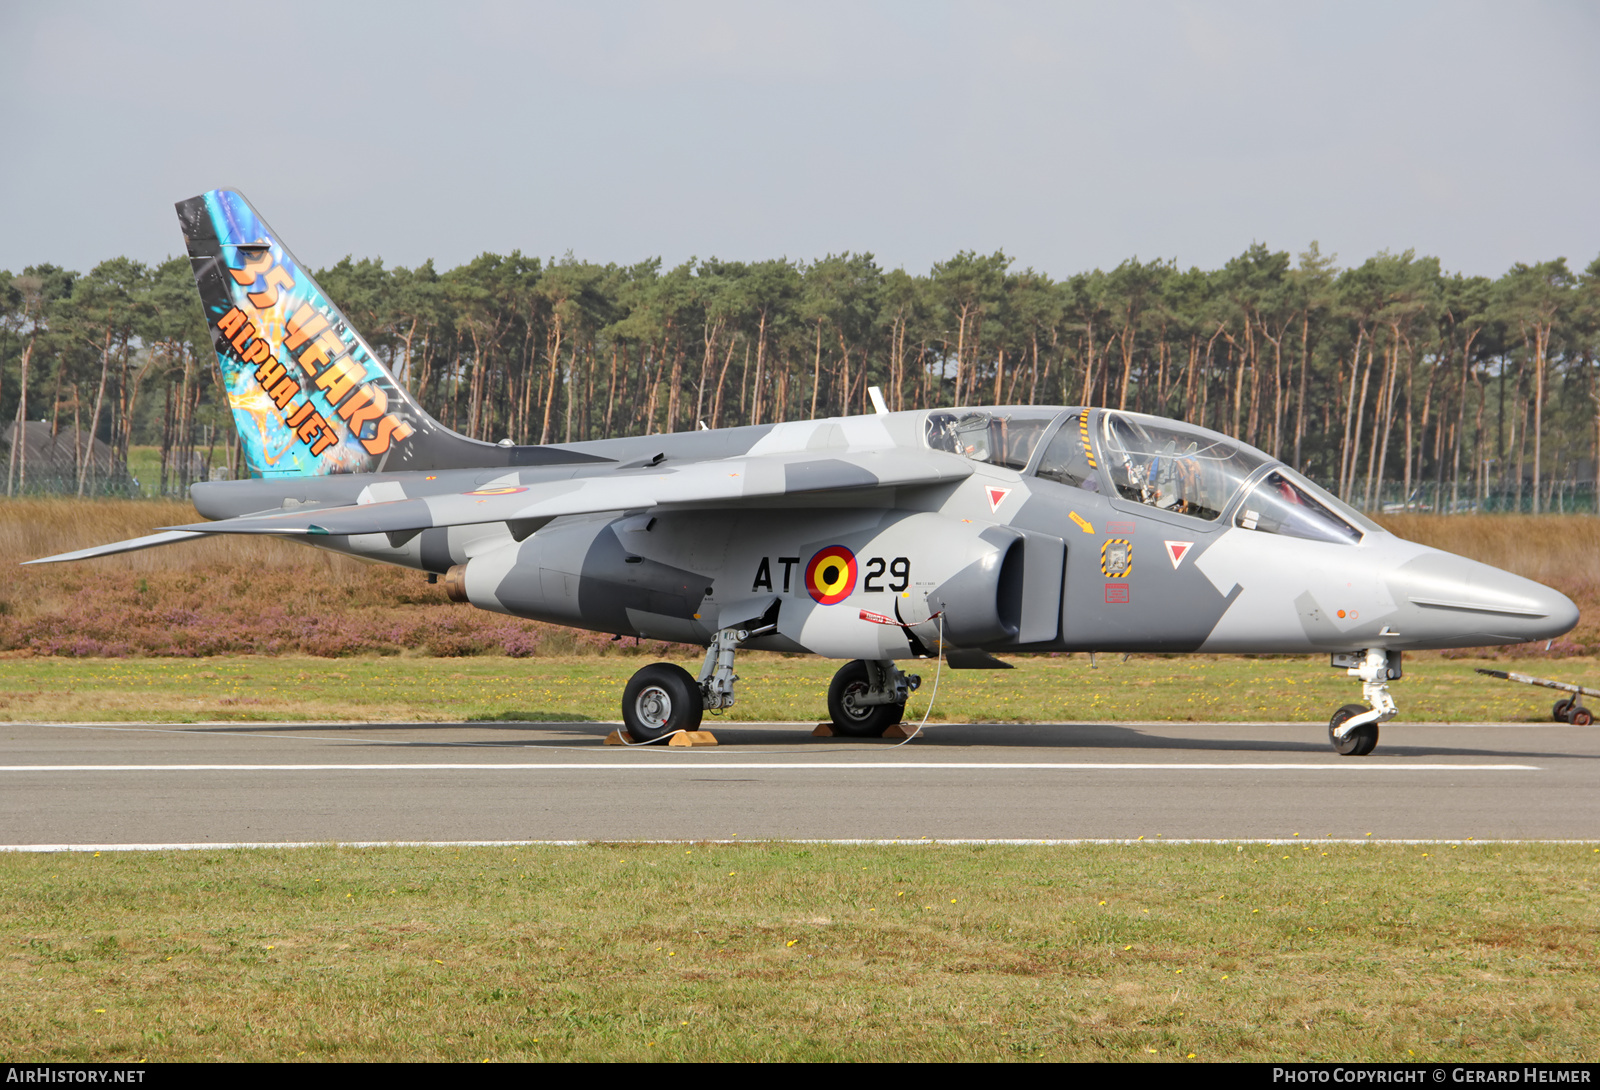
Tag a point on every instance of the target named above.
point(663, 699)
point(1353, 730)
point(868, 696)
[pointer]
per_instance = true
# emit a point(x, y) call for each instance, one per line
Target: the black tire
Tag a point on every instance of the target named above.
point(1580, 716)
point(661, 700)
point(858, 721)
point(1560, 712)
point(1359, 742)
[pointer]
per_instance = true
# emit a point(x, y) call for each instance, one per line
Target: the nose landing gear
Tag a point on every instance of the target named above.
point(1353, 730)
point(1357, 741)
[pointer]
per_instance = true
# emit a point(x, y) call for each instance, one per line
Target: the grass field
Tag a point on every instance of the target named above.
point(805, 952)
point(1055, 689)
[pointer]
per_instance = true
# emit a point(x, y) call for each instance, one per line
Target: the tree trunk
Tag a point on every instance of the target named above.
point(86, 466)
point(17, 472)
point(1300, 401)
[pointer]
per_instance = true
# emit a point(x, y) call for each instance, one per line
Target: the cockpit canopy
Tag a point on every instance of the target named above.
point(1173, 466)
point(1001, 437)
point(1164, 464)
point(1187, 470)
point(1281, 503)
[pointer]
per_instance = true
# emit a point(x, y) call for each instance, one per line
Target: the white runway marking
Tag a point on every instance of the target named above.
point(763, 766)
point(247, 731)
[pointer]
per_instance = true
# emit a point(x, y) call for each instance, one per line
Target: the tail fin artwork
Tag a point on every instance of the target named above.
point(308, 394)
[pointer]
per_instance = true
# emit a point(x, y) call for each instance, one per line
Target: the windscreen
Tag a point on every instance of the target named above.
point(1282, 505)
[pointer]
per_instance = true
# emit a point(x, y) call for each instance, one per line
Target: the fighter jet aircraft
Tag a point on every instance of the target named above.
point(968, 532)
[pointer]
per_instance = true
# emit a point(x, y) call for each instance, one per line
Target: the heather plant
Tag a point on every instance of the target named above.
point(234, 595)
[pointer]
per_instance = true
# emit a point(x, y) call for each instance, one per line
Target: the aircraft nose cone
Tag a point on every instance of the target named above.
point(1456, 602)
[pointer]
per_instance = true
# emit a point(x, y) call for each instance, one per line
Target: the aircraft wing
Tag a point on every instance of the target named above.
point(166, 537)
point(698, 484)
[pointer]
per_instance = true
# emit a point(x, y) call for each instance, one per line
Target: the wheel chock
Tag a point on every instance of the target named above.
point(825, 730)
point(682, 738)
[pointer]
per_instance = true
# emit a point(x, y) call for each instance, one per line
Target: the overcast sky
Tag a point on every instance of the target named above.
point(1070, 136)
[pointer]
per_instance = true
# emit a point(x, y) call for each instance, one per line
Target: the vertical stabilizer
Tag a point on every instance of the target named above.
point(308, 394)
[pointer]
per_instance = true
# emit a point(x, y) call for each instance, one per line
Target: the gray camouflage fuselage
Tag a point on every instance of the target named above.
point(997, 559)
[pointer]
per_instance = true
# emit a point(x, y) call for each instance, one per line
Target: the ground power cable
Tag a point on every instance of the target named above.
point(933, 695)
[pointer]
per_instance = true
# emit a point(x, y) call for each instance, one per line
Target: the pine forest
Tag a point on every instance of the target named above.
point(1393, 383)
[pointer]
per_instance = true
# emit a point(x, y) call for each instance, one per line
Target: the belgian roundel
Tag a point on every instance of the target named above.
point(831, 575)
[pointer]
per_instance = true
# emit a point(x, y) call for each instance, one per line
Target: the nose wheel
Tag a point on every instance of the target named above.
point(1356, 742)
point(1353, 730)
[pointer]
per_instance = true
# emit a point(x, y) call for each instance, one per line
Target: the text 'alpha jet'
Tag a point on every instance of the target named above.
point(874, 539)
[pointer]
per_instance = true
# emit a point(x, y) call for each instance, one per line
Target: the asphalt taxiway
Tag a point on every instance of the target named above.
point(162, 784)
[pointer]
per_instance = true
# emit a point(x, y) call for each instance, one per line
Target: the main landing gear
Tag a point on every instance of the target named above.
point(868, 696)
point(1353, 730)
point(663, 699)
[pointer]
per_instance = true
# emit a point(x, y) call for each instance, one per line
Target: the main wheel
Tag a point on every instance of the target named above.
point(661, 699)
point(859, 720)
point(1560, 712)
point(1359, 742)
point(1580, 716)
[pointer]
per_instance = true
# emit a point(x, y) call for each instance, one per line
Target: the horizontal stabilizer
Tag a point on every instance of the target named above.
point(701, 484)
point(166, 537)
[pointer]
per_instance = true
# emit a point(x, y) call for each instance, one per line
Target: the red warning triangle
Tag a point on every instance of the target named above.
point(1177, 550)
point(996, 496)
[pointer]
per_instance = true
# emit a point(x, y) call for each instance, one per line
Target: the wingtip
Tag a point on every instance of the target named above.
point(165, 537)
